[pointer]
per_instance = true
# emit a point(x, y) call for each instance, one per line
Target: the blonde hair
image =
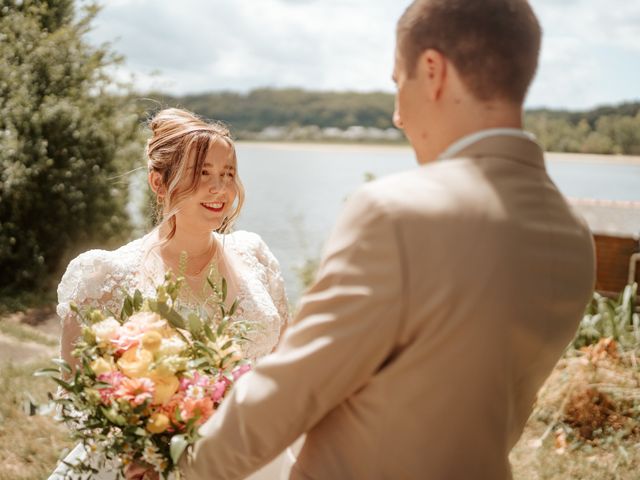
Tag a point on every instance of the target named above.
point(176, 136)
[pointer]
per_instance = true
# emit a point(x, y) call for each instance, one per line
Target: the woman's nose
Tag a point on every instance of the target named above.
point(217, 183)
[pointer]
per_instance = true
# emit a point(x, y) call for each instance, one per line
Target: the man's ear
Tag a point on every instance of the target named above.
point(155, 182)
point(432, 69)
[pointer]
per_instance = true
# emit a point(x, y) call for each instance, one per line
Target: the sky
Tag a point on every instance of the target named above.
point(590, 51)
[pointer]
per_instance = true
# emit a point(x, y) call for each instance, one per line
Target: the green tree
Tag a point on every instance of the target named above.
point(63, 141)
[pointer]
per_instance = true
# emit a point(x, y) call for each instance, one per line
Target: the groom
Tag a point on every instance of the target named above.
point(446, 294)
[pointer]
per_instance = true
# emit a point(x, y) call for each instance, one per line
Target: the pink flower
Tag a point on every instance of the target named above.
point(218, 391)
point(135, 390)
point(114, 378)
point(241, 370)
point(137, 325)
point(172, 408)
point(196, 407)
point(196, 379)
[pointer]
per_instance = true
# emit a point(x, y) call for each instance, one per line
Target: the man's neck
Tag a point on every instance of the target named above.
point(467, 119)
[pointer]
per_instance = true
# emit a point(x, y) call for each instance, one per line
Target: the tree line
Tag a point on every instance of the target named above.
point(604, 130)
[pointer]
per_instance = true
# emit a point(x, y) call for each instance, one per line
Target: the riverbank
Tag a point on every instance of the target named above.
point(590, 158)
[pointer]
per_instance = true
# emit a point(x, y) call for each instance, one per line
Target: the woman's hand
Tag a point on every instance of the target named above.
point(140, 471)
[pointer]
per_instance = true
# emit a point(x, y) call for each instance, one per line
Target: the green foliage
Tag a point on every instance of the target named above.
point(611, 318)
point(63, 139)
point(604, 130)
point(261, 108)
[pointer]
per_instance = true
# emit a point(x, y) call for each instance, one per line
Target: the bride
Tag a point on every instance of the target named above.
point(193, 173)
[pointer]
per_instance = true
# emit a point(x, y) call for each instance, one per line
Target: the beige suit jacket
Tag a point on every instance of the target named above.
point(445, 297)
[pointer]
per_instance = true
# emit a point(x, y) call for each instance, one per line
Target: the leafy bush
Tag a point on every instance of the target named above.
point(63, 139)
point(611, 318)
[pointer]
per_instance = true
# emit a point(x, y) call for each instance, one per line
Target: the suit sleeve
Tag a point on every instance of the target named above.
point(344, 331)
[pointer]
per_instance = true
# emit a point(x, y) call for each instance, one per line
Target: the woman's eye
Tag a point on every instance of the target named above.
point(205, 172)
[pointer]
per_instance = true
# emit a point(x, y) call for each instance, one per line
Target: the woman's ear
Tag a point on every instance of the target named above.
point(155, 182)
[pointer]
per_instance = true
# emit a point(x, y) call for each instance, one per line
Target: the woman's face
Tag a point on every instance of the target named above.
point(212, 202)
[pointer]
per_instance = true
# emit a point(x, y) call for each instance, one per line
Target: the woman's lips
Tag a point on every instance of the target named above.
point(216, 207)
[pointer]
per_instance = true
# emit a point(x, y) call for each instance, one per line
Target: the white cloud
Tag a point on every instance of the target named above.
point(203, 45)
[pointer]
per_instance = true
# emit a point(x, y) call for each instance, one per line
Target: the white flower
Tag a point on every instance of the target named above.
point(106, 330)
point(171, 346)
point(152, 456)
point(172, 364)
point(196, 392)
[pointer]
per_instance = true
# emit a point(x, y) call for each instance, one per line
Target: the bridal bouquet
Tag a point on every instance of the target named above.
point(148, 378)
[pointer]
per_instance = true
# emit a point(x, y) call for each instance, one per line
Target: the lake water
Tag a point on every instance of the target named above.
point(296, 191)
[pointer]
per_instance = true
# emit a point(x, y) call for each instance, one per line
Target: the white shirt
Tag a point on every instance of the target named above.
point(462, 143)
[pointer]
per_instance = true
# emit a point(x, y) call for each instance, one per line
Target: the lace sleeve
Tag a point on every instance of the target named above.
point(275, 282)
point(89, 281)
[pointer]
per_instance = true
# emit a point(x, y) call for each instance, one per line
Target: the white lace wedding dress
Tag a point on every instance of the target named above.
point(97, 278)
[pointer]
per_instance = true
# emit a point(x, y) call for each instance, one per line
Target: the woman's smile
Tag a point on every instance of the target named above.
point(216, 207)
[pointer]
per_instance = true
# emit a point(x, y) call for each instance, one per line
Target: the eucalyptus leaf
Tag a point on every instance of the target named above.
point(195, 323)
point(234, 307)
point(224, 289)
point(67, 386)
point(46, 372)
point(137, 300)
point(209, 333)
point(127, 307)
point(64, 366)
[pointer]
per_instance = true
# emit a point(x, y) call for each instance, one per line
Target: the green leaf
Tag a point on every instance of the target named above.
point(195, 323)
point(46, 372)
point(222, 327)
point(127, 308)
point(178, 445)
point(64, 366)
point(234, 307)
point(224, 289)
point(67, 386)
point(137, 300)
point(173, 317)
point(209, 333)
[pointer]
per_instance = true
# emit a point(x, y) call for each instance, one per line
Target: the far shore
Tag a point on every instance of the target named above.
point(333, 146)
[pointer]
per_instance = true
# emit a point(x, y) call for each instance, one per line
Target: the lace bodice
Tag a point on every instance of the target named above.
point(99, 278)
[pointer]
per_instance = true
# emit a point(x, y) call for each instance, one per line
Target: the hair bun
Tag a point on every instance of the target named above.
point(173, 117)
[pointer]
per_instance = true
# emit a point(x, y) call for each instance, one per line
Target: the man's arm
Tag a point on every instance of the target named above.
point(345, 330)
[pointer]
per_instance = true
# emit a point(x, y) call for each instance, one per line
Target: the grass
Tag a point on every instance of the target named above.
point(26, 334)
point(614, 459)
point(30, 446)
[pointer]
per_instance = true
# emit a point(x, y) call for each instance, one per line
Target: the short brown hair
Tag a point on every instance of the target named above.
point(494, 44)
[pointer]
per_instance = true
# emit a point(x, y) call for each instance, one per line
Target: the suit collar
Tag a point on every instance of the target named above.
point(521, 147)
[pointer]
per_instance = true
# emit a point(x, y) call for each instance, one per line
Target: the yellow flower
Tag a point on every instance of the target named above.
point(166, 386)
point(106, 330)
point(135, 362)
point(102, 365)
point(158, 423)
point(151, 341)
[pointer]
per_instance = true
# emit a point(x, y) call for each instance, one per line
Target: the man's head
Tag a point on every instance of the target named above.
point(455, 51)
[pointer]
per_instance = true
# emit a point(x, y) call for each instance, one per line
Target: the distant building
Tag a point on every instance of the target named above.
point(616, 231)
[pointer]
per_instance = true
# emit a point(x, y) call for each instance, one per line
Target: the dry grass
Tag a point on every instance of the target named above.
point(586, 424)
point(30, 446)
